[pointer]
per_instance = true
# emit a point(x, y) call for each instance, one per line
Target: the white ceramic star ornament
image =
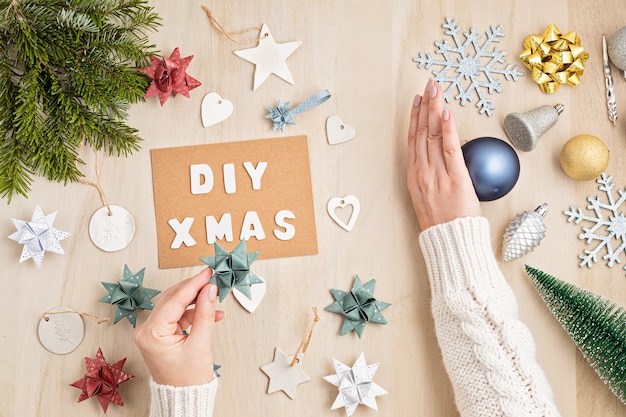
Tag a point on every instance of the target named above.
point(284, 377)
point(355, 385)
point(38, 236)
point(269, 57)
point(286, 373)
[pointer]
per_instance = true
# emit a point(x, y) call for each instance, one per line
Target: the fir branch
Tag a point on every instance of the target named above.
point(73, 20)
point(68, 73)
point(596, 325)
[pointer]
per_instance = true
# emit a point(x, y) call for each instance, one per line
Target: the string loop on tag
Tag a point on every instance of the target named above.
point(229, 35)
point(96, 184)
point(85, 315)
point(304, 344)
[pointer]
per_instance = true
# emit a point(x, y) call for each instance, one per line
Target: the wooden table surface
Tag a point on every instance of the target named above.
point(361, 51)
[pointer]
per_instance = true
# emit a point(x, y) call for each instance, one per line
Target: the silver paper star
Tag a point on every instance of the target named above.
point(355, 385)
point(283, 376)
point(281, 115)
point(38, 236)
point(269, 57)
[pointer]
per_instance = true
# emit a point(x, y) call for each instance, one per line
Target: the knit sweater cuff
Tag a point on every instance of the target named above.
point(189, 401)
point(459, 256)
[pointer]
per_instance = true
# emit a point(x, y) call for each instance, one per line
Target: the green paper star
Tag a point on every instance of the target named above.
point(232, 269)
point(358, 306)
point(129, 296)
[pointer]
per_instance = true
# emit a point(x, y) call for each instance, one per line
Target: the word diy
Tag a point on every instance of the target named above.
point(202, 181)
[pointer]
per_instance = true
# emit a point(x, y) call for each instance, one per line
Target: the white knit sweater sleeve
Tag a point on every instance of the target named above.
point(488, 352)
point(190, 401)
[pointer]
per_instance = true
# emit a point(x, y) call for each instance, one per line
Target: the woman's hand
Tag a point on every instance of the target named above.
point(437, 178)
point(172, 356)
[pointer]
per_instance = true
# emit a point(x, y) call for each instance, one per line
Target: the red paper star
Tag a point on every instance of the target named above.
point(101, 380)
point(169, 76)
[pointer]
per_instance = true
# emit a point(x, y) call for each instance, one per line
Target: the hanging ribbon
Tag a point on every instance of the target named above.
point(85, 315)
point(230, 35)
point(282, 115)
point(95, 184)
point(304, 344)
point(554, 58)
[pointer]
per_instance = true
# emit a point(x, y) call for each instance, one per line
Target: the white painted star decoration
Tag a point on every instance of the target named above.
point(355, 385)
point(269, 57)
point(283, 376)
point(38, 236)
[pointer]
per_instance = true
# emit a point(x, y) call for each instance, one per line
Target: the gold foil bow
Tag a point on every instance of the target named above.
point(554, 58)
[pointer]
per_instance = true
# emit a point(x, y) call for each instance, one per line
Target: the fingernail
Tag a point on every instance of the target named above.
point(213, 293)
point(432, 90)
point(445, 115)
point(417, 100)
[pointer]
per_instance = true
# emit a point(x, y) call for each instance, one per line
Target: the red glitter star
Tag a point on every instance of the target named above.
point(169, 76)
point(101, 380)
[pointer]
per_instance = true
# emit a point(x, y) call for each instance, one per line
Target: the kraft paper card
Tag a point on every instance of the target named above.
point(257, 190)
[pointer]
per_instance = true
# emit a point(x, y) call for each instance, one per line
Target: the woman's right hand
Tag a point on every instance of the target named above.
point(437, 178)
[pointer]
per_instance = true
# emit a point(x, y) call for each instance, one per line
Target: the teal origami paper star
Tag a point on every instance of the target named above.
point(129, 296)
point(358, 306)
point(231, 270)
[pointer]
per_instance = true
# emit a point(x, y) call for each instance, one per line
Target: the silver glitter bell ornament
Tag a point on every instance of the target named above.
point(525, 129)
point(617, 49)
point(524, 233)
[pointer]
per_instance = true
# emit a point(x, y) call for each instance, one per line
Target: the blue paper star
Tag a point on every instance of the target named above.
point(358, 306)
point(232, 269)
point(281, 116)
point(129, 296)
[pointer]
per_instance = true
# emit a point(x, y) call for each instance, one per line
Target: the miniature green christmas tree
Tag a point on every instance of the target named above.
point(596, 324)
point(68, 72)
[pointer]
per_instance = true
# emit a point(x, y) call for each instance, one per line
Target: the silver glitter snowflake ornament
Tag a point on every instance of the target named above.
point(608, 228)
point(470, 67)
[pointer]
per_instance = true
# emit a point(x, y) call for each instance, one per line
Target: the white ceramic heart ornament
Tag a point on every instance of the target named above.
point(215, 109)
point(342, 202)
point(337, 131)
point(257, 292)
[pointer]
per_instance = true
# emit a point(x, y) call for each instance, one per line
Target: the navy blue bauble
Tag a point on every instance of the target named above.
point(493, 166)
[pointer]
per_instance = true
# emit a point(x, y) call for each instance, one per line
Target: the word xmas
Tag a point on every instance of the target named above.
point(202, 181)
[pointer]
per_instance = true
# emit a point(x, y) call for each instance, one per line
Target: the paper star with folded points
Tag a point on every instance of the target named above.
point(281, 116)
point(284, 377)
point(129, 296)
point(38, 236)
point(231, 270)
point(269, 57)
point(101, 381)
point(358, 306)
point(355, 385)
point(169, 76)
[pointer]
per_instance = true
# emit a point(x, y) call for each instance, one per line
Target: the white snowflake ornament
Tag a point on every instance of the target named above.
point(355, 385)
point(470, 67)
point(38, 236)
point(608, 228)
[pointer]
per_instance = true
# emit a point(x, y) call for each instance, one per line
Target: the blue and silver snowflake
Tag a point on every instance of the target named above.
point(474, 69)
point(608, 228)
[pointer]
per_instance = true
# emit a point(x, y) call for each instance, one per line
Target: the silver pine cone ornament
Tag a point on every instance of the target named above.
point(524, 233)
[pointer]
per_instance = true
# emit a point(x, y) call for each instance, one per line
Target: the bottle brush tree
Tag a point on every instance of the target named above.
point(596, 325)
point(68, 74)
